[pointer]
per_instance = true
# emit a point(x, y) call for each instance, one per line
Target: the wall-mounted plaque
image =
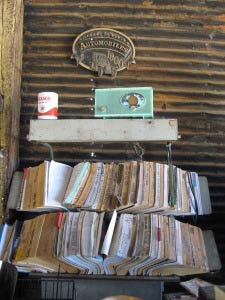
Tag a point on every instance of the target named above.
point(103, 50)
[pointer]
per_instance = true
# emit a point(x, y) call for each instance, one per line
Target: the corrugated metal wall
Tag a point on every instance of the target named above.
point(180, 50)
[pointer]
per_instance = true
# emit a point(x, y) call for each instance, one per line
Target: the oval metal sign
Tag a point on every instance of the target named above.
point(103, 50)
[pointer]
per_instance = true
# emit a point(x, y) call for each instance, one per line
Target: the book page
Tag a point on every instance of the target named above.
point(58, 180)
point(109, 234)
point(125, 235)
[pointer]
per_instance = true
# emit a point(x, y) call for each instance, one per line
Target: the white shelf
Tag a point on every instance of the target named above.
point(103, 130)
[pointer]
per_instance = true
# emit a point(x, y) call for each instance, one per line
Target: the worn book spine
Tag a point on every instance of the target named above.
point(147, 235)
point(125, 235)
point(48, 234)
point(29, 238)
point(133, 237)
point(60, 225)
point(140, 235)
point(132, 188)
point(62, 241)
point(103, 188)
point(172, 239)
point(152, 187)
point(194, 243)
point(186, 245)
point(40, 185)
point(31, 201)
point(81, 200)
point(184, 193)
point(79, 232)
point(157, 185)
point(166, 238)
point(95, 186)
point(23, 250)
point(118, 186)
point(73, 233)
point(107, 190)
point(146, 183)
point(162, 238)
point(75, 180)
point(82, 183)
point(94, 235)
point(125, 182)
point(204, 257)
point(86, 233)
point(140, 184)
point(68, 232)
point(113, 203)
point(98, 199)
point(138, 232)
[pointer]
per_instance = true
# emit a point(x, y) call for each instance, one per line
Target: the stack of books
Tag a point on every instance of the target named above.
point(86, 243)
point(132, 187)
point(32, 245)
point(152, 245)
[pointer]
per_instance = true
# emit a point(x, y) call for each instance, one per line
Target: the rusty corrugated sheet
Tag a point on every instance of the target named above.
point(180, 50)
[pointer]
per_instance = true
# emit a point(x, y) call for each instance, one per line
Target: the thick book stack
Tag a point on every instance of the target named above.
point(132, 187)
point(32, 245)
point(85, 243)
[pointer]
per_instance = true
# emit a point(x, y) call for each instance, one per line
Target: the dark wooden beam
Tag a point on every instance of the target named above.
point(11, 45)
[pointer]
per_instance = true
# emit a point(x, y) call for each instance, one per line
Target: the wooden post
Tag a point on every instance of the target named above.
point(11, 41)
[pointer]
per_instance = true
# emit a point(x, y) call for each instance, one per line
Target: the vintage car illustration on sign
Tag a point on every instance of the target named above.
point(103, 50)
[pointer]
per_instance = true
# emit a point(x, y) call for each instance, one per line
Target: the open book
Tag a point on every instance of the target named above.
point(44, 186)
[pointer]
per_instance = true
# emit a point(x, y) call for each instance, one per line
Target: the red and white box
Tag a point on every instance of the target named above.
point(47, 105)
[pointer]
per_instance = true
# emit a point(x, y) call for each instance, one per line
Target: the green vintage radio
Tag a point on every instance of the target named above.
point(136, 102)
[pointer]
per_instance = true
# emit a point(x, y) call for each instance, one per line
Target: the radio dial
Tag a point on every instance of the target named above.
point(133, 101)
